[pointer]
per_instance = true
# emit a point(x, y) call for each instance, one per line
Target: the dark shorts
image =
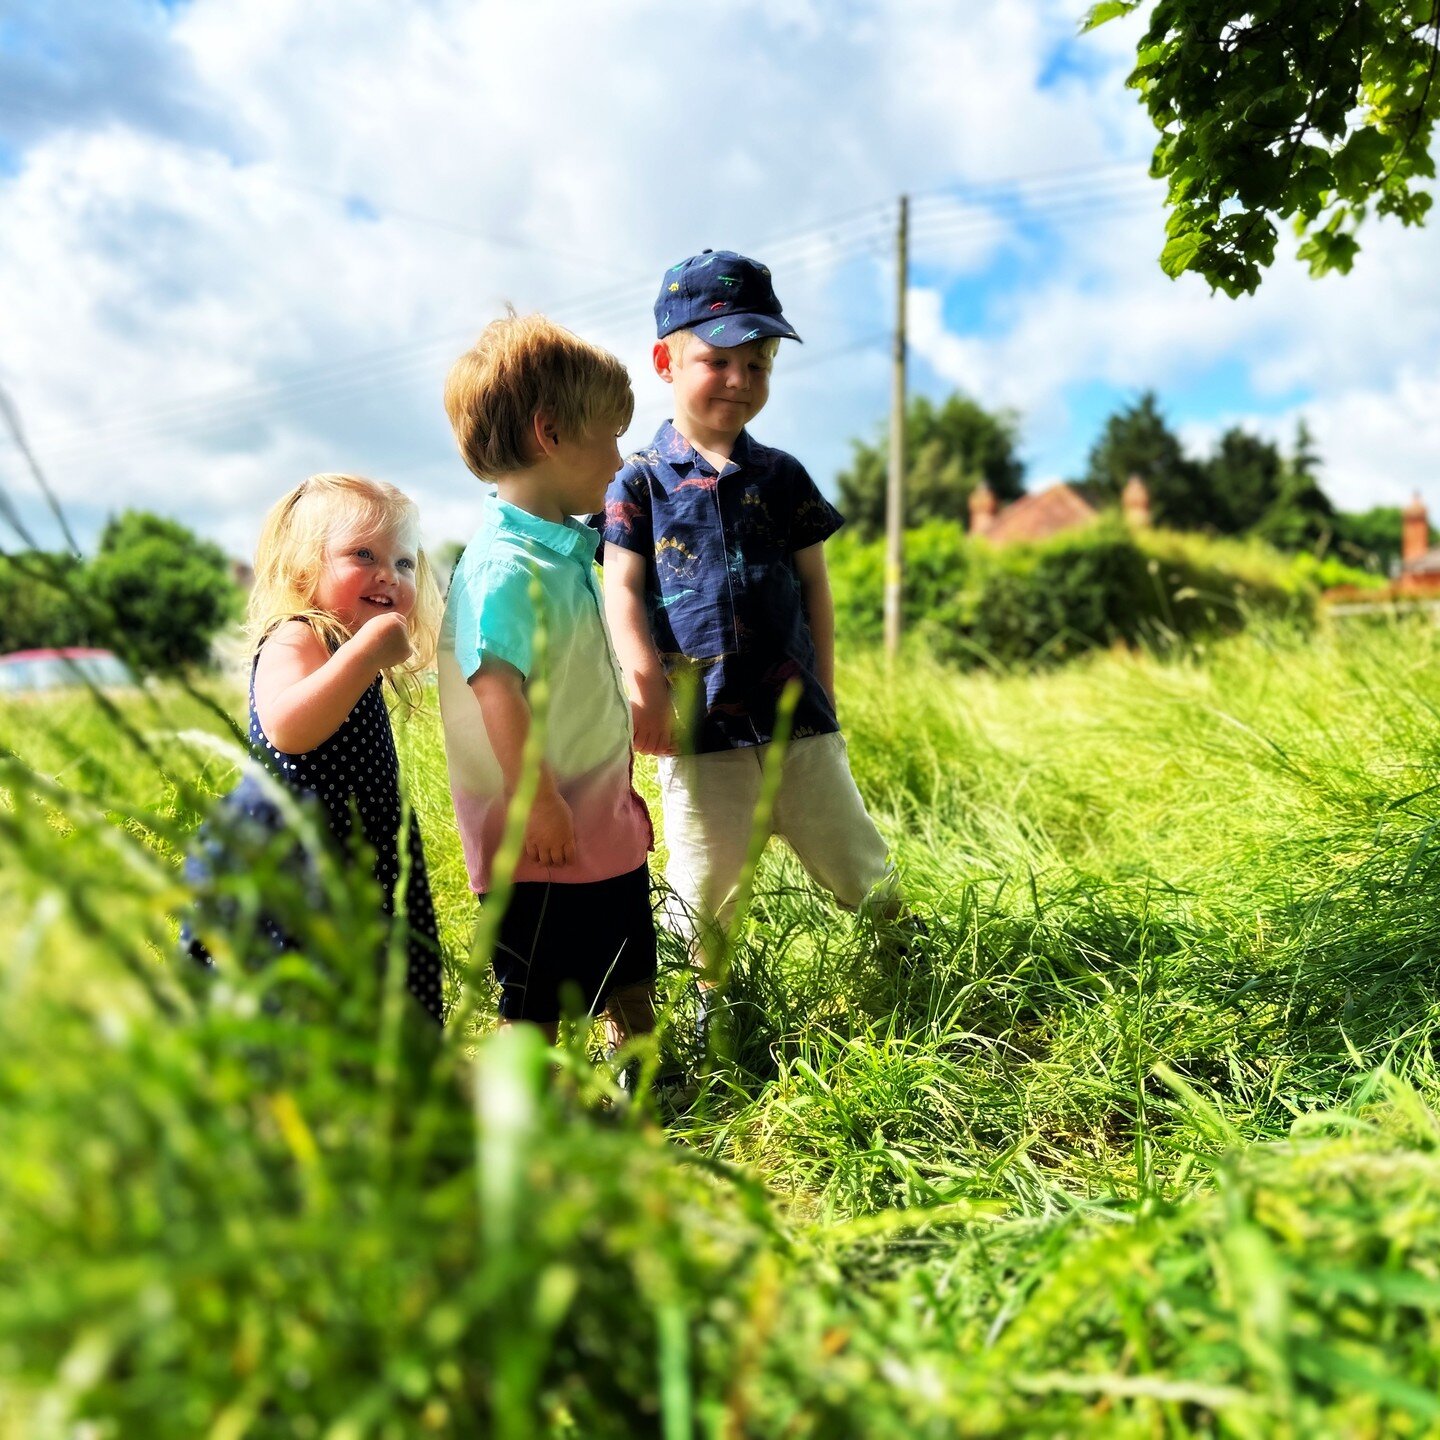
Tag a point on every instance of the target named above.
point(596, 937)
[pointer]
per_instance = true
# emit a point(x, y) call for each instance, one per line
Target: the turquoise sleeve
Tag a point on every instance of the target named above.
point(493, 616)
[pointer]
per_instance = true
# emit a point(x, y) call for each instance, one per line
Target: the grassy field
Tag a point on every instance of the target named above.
point(1143, 1143)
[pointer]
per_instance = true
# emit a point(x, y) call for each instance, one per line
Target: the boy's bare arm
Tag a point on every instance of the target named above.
point(550, 829)
point(819, 611)
point(635, 649)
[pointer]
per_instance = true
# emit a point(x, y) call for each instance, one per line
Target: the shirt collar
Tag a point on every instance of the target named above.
point(565, 538)
point(675, 450)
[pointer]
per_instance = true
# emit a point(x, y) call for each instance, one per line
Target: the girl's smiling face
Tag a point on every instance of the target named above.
point(367, 574)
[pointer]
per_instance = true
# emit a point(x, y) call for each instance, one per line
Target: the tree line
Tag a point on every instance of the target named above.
point(158, 593)
point(153, 591)
point(1247, 485)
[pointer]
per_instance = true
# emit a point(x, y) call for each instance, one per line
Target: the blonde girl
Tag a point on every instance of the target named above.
point(343, 600)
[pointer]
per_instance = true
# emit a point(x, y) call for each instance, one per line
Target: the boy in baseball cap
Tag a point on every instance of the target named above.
point(715, 566)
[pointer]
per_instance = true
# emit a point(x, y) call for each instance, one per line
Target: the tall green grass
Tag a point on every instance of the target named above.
point(1142, 1139)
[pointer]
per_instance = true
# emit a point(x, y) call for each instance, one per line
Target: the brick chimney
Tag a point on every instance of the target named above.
point(982, 509)
point(1414, 531)
point(1135, 501)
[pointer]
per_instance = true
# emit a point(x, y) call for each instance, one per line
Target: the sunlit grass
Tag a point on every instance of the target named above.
point(1142, 1141)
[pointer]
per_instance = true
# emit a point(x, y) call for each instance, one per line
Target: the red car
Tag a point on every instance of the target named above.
point(23, 672)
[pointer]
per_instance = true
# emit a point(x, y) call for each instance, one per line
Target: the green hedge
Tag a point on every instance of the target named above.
point(972, 602)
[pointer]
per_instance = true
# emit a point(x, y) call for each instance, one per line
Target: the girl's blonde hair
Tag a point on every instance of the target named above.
point(290, 559)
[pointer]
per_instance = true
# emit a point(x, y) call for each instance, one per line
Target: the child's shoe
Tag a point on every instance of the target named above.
point(902, 940)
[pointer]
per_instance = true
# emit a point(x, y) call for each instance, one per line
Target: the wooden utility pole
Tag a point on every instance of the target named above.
point(895, 488)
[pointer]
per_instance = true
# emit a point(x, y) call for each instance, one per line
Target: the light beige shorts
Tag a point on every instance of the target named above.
point(709, 804)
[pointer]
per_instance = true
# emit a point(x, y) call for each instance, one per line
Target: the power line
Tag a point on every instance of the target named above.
point(317, 390)
point(226, 408)
point(610, 305)
point(1080, 207)
point(833, 241)
point(1035, 180)
point(854, 229)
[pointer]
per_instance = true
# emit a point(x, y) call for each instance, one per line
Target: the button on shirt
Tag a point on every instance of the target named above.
point(494, 611)
point(722, 592)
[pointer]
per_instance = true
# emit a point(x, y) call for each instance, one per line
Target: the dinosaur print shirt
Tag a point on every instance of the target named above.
point(722, 591)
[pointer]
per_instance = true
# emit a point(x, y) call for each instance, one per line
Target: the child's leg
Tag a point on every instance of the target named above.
point(528, 992)
point(550, 1029)
point(629, 1011)
point(709, 805)
point(819, 811)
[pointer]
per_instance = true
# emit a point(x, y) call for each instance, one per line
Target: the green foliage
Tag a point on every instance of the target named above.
point(1301, 516)
point(1136, 440)
point(942, 571)
point(970, 602)
point(1270, 111)
point(1247, 486)
point(154, 592)
point(949, 449)
point(38, 601)
point(287, 1208)
point(1325, 572)
point(165, 591)
point(1369, 539)
point(1245, 475)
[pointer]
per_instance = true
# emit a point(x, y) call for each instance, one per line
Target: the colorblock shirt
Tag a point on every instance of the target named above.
point(519, 575)
point(722, 591)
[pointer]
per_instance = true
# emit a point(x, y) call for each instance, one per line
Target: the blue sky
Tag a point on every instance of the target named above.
point(241, 243)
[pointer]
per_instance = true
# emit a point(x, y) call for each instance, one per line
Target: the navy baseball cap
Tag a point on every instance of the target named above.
point(723, 297)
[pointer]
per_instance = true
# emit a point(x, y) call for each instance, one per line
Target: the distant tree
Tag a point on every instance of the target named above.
point(1301, 516)
point(161, 588)
point(1268, 110)
point(446, 556)
point(42, 600)
point(1369, 539)
point(1245, 475)
point(949, 449)
point(1137, 440)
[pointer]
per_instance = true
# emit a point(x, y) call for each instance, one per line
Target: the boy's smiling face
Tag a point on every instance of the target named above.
point(717, 392)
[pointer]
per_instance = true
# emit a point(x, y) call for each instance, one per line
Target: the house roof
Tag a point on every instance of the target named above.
point(1039, 515)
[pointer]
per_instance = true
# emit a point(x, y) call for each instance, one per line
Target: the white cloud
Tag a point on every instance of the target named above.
point(962, 360)
point(193, 318)
point(1351, 348)
point(1379, 444)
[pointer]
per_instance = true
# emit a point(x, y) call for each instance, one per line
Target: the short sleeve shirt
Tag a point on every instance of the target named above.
point(722, 591)
point(525, 592)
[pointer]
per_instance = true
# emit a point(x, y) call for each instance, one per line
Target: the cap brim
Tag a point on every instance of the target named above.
point(744, 328)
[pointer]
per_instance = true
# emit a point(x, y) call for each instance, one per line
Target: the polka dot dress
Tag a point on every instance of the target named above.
point(356, 773)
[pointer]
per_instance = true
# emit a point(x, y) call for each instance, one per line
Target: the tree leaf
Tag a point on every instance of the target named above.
point(1106, 11)
point(1358, 161)
point(1289, 113)
point(1179, 254)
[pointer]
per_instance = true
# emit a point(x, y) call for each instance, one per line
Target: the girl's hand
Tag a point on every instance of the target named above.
point(386, 639)
point(550, 830)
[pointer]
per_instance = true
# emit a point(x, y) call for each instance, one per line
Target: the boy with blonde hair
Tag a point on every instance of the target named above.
point(715, 566)
point(537, 411)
